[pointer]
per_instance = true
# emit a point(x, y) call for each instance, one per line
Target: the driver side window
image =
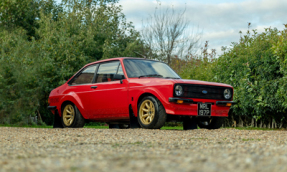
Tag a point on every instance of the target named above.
point(107, 71)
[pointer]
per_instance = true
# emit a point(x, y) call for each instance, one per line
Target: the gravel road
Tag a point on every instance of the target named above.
point(35, 149)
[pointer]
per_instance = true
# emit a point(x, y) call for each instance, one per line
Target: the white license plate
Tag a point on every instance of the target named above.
point(204, 109)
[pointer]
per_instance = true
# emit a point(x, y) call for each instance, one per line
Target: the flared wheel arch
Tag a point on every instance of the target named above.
point(135, 106)
point(70, 102)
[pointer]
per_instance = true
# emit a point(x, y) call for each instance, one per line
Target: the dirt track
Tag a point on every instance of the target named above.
point(33, 149)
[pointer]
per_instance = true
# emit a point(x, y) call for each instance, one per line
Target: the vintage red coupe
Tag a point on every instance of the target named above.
point(136, 92)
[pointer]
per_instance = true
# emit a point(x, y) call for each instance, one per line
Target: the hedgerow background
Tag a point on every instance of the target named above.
point(42, 44)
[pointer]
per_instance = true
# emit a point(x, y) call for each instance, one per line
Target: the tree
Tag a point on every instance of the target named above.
point(169, 33)
point(65, 37)
point(25, 14)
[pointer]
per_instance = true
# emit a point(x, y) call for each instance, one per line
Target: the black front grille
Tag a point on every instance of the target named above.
point(196, 91)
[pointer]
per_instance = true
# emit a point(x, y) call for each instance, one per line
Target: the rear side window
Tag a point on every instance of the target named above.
point(107, 71)
point(86, 76)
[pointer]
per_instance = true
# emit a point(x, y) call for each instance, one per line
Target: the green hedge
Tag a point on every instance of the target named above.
point(256, 68)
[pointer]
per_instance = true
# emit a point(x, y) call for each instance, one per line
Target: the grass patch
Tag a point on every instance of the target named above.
point(26, 126)
point(172, 128)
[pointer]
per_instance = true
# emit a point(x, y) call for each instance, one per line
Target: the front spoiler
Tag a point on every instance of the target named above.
point(52, 107)
point(174, 99)
point(219, 103)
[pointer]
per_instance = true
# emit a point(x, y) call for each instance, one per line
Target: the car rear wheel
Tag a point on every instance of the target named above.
point(151, 113)
point(71, 117)
point(210, 123)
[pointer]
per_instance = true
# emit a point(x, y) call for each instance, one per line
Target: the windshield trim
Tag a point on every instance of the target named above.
point(149, 60)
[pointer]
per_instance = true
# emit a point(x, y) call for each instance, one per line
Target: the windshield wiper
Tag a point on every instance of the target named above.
point(171, 78)
point(151, 75)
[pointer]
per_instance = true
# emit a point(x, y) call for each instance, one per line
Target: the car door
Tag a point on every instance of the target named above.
point(109, 96)
point(81, 85)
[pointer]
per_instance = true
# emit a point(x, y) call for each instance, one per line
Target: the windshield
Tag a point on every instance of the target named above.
point(137, 68)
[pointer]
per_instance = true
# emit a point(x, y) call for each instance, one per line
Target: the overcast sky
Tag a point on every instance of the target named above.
point(219, 20)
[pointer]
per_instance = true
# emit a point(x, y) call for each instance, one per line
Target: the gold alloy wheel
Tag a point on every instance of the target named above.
point(147, 112)
point(68, 115)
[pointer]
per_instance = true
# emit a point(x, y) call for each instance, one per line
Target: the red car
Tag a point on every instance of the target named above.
point(136, 92)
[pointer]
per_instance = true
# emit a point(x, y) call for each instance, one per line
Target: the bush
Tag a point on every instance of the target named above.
point(255, 68)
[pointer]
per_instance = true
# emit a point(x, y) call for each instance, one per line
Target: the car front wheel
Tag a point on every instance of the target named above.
point(210, 123)
point(71, 117)
point(151, 113)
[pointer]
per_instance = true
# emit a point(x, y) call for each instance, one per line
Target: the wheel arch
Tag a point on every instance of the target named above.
point(145, 94)
point(64, 103)
point(73, 101)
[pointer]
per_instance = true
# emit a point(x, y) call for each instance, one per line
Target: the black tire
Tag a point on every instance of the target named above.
point(78, 121)
point(159, 117)
point(210, 123)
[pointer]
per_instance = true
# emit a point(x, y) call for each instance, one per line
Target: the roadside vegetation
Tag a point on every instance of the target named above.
point(42, 44)
point(256, 67)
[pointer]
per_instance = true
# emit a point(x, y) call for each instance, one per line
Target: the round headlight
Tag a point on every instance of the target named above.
point(227, 94)
point(178, 90)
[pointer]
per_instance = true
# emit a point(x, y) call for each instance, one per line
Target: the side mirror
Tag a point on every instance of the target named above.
point(118, 77)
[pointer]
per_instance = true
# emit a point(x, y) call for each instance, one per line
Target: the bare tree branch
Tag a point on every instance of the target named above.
point(169, 33)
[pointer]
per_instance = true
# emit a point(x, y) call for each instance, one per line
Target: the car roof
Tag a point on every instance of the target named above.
point(116, 58)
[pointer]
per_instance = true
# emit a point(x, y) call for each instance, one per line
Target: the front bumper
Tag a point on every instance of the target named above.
point(180, 100)
point(225, 103)
point(175, 100)
point(180, 106)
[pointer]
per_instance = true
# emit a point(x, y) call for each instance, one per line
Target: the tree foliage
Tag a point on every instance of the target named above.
point(46, 43)
point(256, 68)
point(253, 68)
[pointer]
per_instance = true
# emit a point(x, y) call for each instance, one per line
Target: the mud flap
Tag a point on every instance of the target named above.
point(57, 121)
point(189, 124)
point(133, 120)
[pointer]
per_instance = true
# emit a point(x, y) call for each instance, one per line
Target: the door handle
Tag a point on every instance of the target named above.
point(94, 87)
